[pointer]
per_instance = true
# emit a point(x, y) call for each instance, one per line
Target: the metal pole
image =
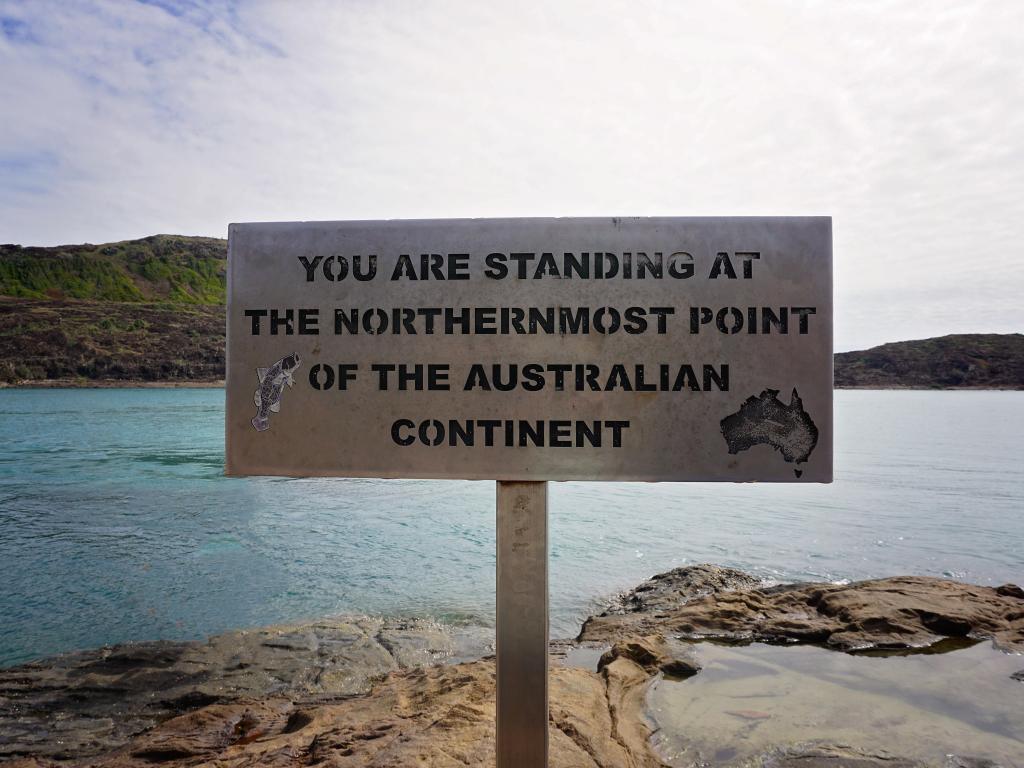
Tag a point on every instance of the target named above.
point(522, 625)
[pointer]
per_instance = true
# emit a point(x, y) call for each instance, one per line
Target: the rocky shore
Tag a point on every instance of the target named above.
point(375, 692)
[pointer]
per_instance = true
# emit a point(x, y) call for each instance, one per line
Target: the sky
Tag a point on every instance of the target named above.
point(904, 121)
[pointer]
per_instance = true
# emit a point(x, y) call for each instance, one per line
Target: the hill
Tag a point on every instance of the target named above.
point(149, 310)
point(78, 342)
point(159, 268)
point(958, 361)
point(152, 310)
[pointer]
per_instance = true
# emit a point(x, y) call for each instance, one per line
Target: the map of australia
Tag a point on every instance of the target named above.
point(766, 420)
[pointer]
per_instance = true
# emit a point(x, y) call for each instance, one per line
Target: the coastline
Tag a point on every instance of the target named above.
point(112, 384)
point(701, 665)
point(219, 384)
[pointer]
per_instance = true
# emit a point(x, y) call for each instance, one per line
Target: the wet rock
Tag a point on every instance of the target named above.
point(653, 654)
point(899, 612)
point(1010, 590)
point(644, 605)
point(83, 704)
point(833, 756)
point(371, 692)
point(645, 651)
point(439, 716)
point(680, 585)
point(956, 761)
point(680, 668)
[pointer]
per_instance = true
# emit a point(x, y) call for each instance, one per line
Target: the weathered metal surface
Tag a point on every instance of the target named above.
point(522, 625)
point(718, 369)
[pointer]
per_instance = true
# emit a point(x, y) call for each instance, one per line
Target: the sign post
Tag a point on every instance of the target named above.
point(522, 625)
point(530, 350)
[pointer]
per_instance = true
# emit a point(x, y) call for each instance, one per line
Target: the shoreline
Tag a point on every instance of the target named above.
point(112, 384)
point(768, 660)
point(219, 384)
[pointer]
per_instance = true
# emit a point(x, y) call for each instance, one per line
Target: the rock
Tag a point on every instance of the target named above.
point(371, 692)
point(680, 668)
point(956, 761)
point(899, 612)
point(1018, 676)
point(441, 716)
point(645, 651)
point(1010, 590)
point(661, 593)
point(824, 755)
point(83, 704)
point(653, 654)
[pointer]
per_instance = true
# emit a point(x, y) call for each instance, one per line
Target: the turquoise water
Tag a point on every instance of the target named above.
point(116, 522)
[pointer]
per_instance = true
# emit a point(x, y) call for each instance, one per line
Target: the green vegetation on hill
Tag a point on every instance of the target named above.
point(153, 310)
point(960, 361)
point(160, 268)
point(137, 310)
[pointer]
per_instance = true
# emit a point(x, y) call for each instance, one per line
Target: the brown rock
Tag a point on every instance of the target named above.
point(1010, 590)
point(834, 756)
point(899, 612)
point(83, 704)
point(648, 652)
point(680, 585)
point(369, 692)
point(653, 653)
point(440, 716)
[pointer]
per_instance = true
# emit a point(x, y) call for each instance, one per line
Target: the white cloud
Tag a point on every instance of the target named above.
point(903, 121)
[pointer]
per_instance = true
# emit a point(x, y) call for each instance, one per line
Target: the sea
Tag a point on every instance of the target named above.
point(117, 523)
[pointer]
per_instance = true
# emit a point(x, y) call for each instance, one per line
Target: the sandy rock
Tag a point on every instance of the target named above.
point(957, 761)
point(653, 654)
point(899, 612)
point(86, 703)
point(824, 755)
point(370, 692)
point(680, 585)
point(833, 756)
point(442, 716)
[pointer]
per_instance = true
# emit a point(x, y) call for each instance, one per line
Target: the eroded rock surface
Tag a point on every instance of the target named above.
point(898, 612)
point(654, 654)
point(438, 716)
point(673, 588)
point(370, 692)
point(82, 704)
point(824, 755)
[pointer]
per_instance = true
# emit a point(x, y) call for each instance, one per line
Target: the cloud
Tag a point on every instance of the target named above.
point(905, 123)
point(26, 174)
point(15, 30)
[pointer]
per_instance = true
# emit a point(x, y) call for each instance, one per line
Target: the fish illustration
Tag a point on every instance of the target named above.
point(268, 395)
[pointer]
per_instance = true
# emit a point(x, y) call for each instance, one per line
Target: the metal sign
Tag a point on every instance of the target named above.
point(527, 350)
point(532, 349)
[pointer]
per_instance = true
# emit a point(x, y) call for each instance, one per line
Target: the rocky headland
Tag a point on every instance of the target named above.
point(376, 692)
point(957, 361)
point(151, 312)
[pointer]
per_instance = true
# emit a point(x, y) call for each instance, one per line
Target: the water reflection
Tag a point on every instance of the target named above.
point(750, 700)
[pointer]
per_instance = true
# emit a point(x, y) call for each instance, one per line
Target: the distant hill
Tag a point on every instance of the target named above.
point(152, 310)
point(89, 341)
point(160, 268)
point(149, 310)
point(958, 361)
